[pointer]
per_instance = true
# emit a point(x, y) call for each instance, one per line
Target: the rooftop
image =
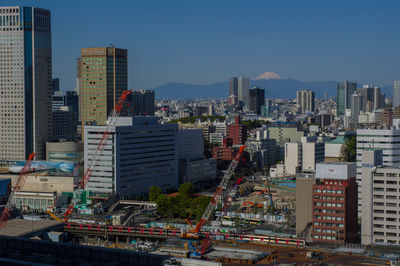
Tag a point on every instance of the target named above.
point(22, 227)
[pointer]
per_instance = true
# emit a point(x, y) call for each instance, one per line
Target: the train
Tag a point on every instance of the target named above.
point(164, 233)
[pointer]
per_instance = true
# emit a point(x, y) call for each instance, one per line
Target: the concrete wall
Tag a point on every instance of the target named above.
point(44, 183)
point(304, 205)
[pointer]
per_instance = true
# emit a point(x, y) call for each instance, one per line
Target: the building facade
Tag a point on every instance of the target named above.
point(356, 103)
point(293, 158)
point(141, 102)
point(104, 76)
point(386, 140)
point(25, 82)
point(304, 205)
point(335, 204)
point(65, 123)
point(140, 153)
point(380, 199)
point(237, 132)
point(233, 87)
point(306, 101)
point(243, 90)
point(344, 91)
point(257, 99)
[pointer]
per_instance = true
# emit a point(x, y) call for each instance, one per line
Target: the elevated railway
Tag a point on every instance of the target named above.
point(161, 233)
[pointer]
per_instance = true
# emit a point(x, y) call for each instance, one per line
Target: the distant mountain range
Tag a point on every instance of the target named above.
point(274, 88)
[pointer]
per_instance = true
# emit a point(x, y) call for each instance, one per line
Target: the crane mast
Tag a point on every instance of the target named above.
point(5, 215)
point(218, 195)
point(218, 221)
point(112, 120)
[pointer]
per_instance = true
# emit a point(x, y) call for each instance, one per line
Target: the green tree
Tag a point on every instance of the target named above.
point(154, 192)
point(199, 205)
point(162, 205)
point(352, 149)
point(184, 205)
point(186, 190)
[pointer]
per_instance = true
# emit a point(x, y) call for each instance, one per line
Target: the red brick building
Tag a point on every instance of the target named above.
point(225, 154)
point(237, 132)
point(335, 211)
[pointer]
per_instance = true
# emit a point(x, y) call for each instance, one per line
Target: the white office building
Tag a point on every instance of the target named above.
point(303, 155)
point(312, 152)
point(381, 200)
point(387, 140)
point(140, 153)
point(293, 157)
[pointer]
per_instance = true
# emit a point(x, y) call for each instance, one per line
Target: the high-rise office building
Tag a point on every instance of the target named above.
point(367, 95)
point(344, 91)
point(140, 153)
point(375, 139)
point(379, 99)
point(257, 99)
point(233, 86)
point(396, 93)
point(104, 76)
point(243, 90)
point(356, 103)
point(25, 82)
point(141, 102)
point(64, 124)
point(306, 101)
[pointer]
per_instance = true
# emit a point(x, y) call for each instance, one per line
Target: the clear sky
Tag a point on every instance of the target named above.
point(205, 41)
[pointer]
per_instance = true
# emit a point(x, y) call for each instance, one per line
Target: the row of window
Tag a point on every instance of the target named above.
point(387, 234)
point(387, 211)
point(388, 219)
point(329, 191)
point(328, 198)
point(329, 204)
point(389, 241)
point(387, 189)
point(329, 231)
point(391, 197)
point(333, 218)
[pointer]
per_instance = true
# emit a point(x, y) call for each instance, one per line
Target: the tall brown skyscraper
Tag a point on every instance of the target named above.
point(104, 75)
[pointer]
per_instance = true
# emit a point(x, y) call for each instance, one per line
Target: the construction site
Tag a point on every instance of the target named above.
point(247, 221)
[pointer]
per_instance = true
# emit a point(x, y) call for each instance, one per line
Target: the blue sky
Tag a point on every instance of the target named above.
point(204, 41)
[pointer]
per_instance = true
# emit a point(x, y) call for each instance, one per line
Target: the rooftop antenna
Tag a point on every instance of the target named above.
point(112, 45)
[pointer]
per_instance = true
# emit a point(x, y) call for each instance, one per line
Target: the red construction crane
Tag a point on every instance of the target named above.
point(193, 233)
point(216, 226)
point(112, 120)
point(5, 215)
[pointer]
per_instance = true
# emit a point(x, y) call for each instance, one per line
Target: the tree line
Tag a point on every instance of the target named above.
point(181, 206)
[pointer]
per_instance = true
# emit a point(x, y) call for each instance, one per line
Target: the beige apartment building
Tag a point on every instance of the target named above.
point(380, 219)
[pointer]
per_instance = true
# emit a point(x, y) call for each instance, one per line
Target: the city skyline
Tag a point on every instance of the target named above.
point(268, 37)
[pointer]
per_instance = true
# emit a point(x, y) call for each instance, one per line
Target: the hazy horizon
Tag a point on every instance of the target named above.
point(209, 41)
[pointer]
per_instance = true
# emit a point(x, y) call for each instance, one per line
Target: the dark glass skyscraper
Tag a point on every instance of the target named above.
point(343, 100)
point(233, 86)
point(257, 99)
point(141, 102)
point(25, 82)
